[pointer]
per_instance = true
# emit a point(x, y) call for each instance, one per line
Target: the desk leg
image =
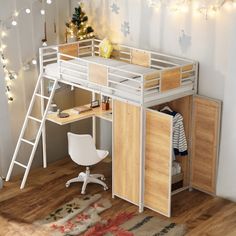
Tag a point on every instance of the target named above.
point(44, 147)
point(94, 120)
point(94, 129)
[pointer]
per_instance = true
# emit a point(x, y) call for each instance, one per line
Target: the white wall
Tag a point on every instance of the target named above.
point(211, 42)
point(23, 42)
point(5, 135)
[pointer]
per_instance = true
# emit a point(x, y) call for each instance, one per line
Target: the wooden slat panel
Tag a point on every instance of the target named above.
point(140, 58)
point(115, 54)
point(69, 49)
point(170, 79)
point(205, 142)
point(98, 74)
point(126, 150)
point(149, 77)
point(188, 67)
point(158, 162)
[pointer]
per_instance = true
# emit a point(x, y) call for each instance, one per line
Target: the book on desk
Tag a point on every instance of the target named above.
point(81, 109)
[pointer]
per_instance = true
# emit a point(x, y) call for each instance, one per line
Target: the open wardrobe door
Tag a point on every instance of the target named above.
point(158, 159)
point(205, 143)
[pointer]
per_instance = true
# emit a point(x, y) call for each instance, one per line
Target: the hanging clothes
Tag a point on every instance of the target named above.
point(179, 138)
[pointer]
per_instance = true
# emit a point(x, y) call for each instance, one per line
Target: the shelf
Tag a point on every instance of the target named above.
point(177, 178)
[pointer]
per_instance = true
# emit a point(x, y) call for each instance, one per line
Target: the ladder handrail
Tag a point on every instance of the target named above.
point(38, 136)
point(39, 132)
point(23, 129)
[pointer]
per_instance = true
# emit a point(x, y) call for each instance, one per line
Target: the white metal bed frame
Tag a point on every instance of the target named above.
point(147, 96)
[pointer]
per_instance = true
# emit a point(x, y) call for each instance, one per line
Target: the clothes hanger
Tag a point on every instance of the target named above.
point(166, 108)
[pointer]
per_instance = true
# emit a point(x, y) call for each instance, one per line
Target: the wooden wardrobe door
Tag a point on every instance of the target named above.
point(158, 162)
point(126, 151)
point(205, 143)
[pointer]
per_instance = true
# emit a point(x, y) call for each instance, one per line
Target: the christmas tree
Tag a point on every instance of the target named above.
point(77, 27)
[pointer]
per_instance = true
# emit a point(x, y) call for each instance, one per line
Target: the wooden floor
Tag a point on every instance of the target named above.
point(45, 190)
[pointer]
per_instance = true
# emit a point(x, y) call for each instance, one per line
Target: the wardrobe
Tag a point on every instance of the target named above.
point(149, 181)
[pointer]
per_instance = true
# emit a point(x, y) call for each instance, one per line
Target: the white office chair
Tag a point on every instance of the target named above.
point(83, 152)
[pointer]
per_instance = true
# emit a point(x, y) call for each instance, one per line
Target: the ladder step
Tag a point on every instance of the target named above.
point(33, 118)
point(19, 164)
point(27, 141)
point(39, 95)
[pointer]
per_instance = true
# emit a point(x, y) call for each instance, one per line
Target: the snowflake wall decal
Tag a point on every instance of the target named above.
point(115, 8)
point(125, 28)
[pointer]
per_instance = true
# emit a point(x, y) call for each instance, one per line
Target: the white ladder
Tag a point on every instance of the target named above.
point(41, 121)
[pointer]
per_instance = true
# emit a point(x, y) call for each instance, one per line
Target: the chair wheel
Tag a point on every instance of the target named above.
point(67, 185)
point(83, 193)
point(103, 178)
point(105, 188)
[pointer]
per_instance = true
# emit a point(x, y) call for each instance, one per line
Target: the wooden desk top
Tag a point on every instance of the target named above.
point(73, 117)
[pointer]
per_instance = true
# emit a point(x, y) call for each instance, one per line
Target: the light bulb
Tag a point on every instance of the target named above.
point(34, 62)
point(42, 12)
point(49, 1)
point(14, 23)
point(212, 12)
point(5, 61)
point(16, 13)
point(196, 5)
point(184, 8)
point(27, 10)
point(3, 34)
point(13, 75)
point(44, 44)
point(2, 47)
point(228, 6)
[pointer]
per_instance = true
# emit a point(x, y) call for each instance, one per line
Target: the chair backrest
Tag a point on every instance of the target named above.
point(82, 149)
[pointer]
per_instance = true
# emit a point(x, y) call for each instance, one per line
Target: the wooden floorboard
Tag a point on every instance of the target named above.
point(45, 190)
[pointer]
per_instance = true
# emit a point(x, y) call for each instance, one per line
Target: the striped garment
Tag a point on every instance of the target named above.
point(179, 138)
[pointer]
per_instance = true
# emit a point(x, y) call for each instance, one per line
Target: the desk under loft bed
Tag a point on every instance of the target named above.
point(140, 83)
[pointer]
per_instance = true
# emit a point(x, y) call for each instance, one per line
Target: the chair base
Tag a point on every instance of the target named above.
point(86, 178)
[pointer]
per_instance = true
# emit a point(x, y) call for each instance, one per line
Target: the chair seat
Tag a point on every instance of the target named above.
point(102, 153)
point(82, 151)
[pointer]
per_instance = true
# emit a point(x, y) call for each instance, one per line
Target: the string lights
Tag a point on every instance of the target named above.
point(6, 25)
point(208, 8)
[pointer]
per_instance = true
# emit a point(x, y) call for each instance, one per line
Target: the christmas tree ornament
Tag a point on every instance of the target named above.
point(77, 27)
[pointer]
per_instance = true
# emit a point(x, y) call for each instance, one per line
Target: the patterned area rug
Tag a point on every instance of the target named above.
point(81, 217)
point(76, 216)
point(129, 224)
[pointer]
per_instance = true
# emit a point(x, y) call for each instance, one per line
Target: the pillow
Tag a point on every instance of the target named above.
point(105, 48)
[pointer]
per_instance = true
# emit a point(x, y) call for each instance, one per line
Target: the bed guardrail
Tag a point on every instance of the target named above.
point(167, 72)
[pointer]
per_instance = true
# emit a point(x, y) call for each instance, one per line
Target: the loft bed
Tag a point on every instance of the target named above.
point(139, 76)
